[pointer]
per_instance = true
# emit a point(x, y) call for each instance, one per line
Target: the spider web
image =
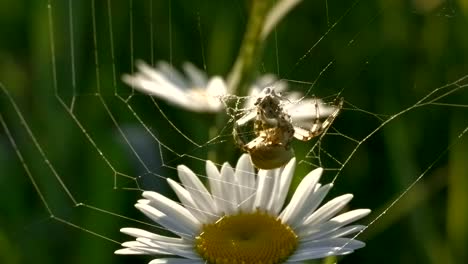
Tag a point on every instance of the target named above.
point(89, 144)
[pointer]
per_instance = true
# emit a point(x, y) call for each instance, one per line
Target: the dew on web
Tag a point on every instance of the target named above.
point(78, 145)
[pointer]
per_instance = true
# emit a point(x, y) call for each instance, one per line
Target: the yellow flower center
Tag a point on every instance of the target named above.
point(246, 238)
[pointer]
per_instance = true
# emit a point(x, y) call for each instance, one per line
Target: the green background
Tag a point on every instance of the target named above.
point(386, 54)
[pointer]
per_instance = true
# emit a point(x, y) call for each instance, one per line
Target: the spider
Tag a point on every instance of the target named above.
point(274, 130)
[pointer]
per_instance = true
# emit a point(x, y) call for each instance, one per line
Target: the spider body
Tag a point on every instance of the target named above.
point(274, 131)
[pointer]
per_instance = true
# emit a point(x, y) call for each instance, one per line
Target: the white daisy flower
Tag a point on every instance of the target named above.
point(196, 92)
point(242, 219)
point(192, 91)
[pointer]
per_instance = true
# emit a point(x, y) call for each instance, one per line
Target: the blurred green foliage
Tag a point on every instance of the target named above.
point(386, 54)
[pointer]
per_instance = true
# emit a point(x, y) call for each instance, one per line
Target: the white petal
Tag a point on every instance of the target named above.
point(129, 251)
point(143, 201)
point(333, 224)
point(328, 210)
point(286, 178)
point(151, 74)
point(165, 91)
point(265, 81)
point(172, 224)
point(216, 88)
point(334, 233)
point(292, 98)
point(173, 209)
point(347, 230)
point(160, 78)
point(136, 232)
point(245, 176)
point(182, 250)
point(324, 248)
point(308, 254)
point(351, 216)
point(209, 98)
point(172, 75)
point(312, 204)
point(133, 244)
point(176, 261)
point(246, 118)
point(229, 190)
point(197, 190)
point(152, 251)
point(215, 91)
point(169, 246)
point(306, 110)
point(196, 76)
point(186, 199)
point(340, 242)
point(294, 212)
point(265, 185)
point(188, 202)
point(139, 248)
point(272, 206)
point(214, 180)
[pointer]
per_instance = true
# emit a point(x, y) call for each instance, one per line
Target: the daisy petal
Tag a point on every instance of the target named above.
point(176, 261)
point(328, 210)
point(200, 195)
point(173, 225)
point(136, 232)
point(306, 110)
point(133, 244)
point(216, 88)
point(229, 189)
point(139, 248)
point(317, 253)
point(272, 206)
point(335, 223)
point(340, 242)
point(214, 180)
point(152, 250)
point(173, 209)
point(350, 216)
point(169, 92)
point(294, 212)
point(245, 176)
point(188, 202)
point(172, 75)
point(324, 248)
point(129, 251)
point(196, 76)
point(338, 232)
point(183, 250)
point(246, 118)
point(210, 98)
point(143, 201)
point(160, 78)
point(313, 203)
point(265, 185)
point(286, 178)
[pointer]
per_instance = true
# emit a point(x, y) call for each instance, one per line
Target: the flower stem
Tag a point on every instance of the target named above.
point(245, 67)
